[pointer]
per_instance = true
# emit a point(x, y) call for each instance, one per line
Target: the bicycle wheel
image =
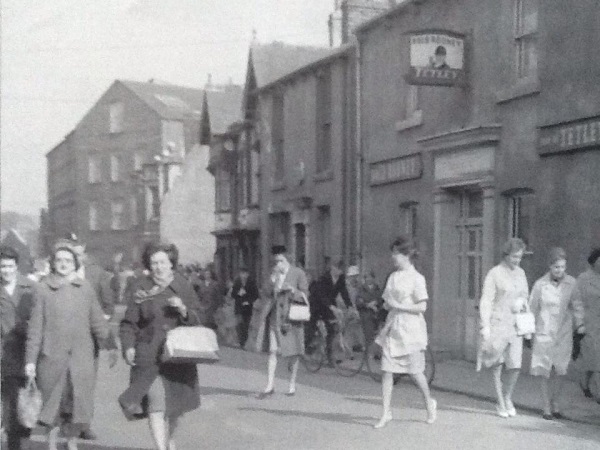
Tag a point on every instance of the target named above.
point(591, 387)
point(374, 361)
point(429, 365)
point(347, 360)
point(314, 356)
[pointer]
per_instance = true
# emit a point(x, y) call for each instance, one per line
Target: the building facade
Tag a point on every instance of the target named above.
point(308, 176)
point(107, 178)
point(460, 168)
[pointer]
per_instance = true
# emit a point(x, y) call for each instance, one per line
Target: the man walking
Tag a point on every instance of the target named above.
point(245, 293)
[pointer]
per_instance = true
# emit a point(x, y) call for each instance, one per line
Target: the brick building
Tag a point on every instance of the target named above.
point(107, 177)
point(510, 151)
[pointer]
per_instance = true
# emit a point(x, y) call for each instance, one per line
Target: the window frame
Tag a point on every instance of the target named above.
point(121, 225)
point(93, 216)
point(94, 169)
point(525, 37)
point(514, 207)
point(278, 135)
point(115, 168)
point(116, 117)
point(409, 216)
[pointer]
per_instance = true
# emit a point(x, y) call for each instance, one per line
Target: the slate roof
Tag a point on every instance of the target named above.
point(173, 102)
point(274, 60)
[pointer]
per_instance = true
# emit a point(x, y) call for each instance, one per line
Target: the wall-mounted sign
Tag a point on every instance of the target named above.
point(397, 169)
point(569, 136)
point(436, 58)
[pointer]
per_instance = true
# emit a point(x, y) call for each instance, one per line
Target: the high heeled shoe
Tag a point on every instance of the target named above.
point(432, 412)
point(263, 395)
point(383, 421)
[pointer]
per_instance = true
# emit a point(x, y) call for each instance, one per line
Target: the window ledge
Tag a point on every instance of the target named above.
point(522, 88)
point(325, 175)
point(278, 185)
point(414, 120)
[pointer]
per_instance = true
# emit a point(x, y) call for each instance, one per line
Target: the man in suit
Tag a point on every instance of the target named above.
point(16, 304)
point(331, 284)
point(100, 279)
point(245, 293)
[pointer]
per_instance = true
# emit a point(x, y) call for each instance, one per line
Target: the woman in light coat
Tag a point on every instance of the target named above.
point(588, 284)
point(403, 338)
point(557, 306)
point(286, 338)
point(505, 293)
point(65, 321)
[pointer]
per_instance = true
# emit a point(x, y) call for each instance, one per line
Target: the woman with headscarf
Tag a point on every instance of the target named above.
point(160, 391)
point(588, 284)
point(556, 305)
point(505, 293)
point(65, 322)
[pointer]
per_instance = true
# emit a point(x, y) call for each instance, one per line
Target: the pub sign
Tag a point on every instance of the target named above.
point(437, 58)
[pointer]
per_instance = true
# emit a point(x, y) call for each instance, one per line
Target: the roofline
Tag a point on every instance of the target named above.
point(372, 23)
point(340, 52)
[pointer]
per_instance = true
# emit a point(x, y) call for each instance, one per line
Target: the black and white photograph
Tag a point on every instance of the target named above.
point(299, 224)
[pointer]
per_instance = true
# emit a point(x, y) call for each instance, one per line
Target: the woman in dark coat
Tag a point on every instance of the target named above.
point(286, 338)
point(66, 323)
point(160, 391)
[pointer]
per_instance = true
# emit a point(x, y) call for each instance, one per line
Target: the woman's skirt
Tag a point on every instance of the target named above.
point(413, 363)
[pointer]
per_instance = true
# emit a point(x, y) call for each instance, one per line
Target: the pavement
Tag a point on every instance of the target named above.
point(460, 377)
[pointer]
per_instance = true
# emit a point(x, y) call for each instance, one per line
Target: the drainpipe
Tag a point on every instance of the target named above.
point(359, 158)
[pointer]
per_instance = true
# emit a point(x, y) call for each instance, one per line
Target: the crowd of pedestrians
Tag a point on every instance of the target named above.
point(53, 327)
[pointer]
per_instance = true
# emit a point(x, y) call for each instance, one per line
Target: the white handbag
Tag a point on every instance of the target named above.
point(197, 345)
point(525, 321)
point(299, 312)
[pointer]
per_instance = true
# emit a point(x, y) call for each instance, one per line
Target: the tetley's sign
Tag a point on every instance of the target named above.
point(569, 136)
point(436, 58)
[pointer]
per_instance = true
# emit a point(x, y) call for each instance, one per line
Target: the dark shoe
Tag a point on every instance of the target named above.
point(558, 415)
point(263, 395)
point(290, 394)
point(587, 393)
point(548, 416)
point(88, 435)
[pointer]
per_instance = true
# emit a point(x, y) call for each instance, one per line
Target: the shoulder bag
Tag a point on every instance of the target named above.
point(191, 345)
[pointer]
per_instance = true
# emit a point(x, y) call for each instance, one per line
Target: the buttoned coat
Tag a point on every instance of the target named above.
point(588, 284)
point(65, 323)
point(15, 311)
point(144, 328)
point(290, 335)
point(558, 311)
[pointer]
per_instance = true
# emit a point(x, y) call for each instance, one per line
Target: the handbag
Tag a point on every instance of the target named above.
point(525, 321)
point(29, 404)
point(191, 345)
point(299, 310)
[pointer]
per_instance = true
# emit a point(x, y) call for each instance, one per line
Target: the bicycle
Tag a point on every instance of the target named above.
point(349, 361)
point(315, 354)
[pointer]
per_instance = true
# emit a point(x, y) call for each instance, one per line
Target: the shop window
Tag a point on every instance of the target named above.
point(408, 220)
point(116, 117)
point(520, 216)
point(525, 26)
point(94, 169)
point(93, 216)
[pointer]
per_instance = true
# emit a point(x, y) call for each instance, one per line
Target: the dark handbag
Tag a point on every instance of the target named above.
point(577, 338)
point(29, 404)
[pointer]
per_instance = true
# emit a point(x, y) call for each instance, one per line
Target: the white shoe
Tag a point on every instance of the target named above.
point(432, 411)
point(501, 412)
point(383, 421)
point(510, 408)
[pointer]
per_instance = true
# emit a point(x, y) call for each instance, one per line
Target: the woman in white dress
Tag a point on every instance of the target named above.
point(557, 306)
point(403, 338)
point(505, 293)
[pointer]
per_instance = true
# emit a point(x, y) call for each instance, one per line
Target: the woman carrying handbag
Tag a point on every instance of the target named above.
point(286, 285)
point(160, 391)
point(556, 304)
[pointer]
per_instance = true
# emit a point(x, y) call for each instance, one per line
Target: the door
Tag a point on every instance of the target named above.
point(300, 244)
point(469, 230)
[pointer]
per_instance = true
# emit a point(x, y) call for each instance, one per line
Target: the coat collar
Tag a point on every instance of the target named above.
point(55, 282)
point(178, 284)
point(23, 283)
point(567, 279)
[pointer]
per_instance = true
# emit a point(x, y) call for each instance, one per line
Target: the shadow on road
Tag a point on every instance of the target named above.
point(211, 390)
point(83, 446)
point(350, 419)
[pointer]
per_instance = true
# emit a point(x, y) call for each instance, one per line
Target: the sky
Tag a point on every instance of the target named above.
point(59, 56)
